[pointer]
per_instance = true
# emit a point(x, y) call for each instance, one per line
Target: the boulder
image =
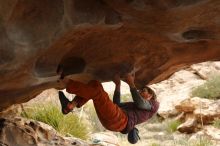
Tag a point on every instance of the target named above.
point(205, 110)
point(189, 126)
point(208, 133)
point(104, 139)
point(18, 131)
point(212, 132)
point(207, 69)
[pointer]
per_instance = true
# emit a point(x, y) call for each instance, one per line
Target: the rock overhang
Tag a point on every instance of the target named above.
point(97, 38)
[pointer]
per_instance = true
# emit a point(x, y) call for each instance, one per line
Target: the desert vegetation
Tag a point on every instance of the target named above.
point(68, 125)
point(209, 90)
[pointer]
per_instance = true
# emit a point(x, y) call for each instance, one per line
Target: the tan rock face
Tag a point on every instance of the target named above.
point(105, 139)
point(208, 132)
point(19, 132)
point(189, 126)
point(207, 69)
point(198, 112)
point(204, 110)
point(94, 39)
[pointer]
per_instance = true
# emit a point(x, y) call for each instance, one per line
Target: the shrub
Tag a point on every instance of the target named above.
point(171, 125)
point(216, 123)
point(210, 89)
point(51, 115)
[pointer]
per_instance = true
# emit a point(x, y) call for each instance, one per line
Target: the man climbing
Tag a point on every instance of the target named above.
point(114, 116)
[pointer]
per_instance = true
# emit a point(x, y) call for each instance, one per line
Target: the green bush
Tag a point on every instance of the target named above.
point(210, 89)
point(216, 123)
point(171, 125)
point(51, 115)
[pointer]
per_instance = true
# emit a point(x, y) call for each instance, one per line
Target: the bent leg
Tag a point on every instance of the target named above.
point(110, 115)
point(87, 91)
point(80, 101)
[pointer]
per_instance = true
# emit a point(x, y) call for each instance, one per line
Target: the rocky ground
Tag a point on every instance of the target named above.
point(17, 131)
point(155, 134)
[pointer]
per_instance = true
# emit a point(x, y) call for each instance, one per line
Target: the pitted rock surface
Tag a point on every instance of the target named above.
point(18, 131)
point(94, 39)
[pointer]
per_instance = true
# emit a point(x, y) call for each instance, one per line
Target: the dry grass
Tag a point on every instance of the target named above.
point(51, 115)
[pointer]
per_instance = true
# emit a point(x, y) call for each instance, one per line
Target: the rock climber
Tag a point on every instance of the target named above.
point(114, 115)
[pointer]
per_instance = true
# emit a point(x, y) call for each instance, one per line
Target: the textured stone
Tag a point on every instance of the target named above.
point(153, 38)
point(207, 133)
point(18, 131)
point(207, 69)
point(105, 139)
point(204, 110)
point(189, 126)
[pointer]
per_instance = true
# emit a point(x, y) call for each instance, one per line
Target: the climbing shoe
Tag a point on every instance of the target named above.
point(64, 103)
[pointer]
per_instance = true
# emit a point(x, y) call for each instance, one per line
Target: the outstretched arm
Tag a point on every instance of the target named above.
point(139, 101)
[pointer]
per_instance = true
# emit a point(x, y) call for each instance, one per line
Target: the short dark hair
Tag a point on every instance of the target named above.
point(151, 91)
